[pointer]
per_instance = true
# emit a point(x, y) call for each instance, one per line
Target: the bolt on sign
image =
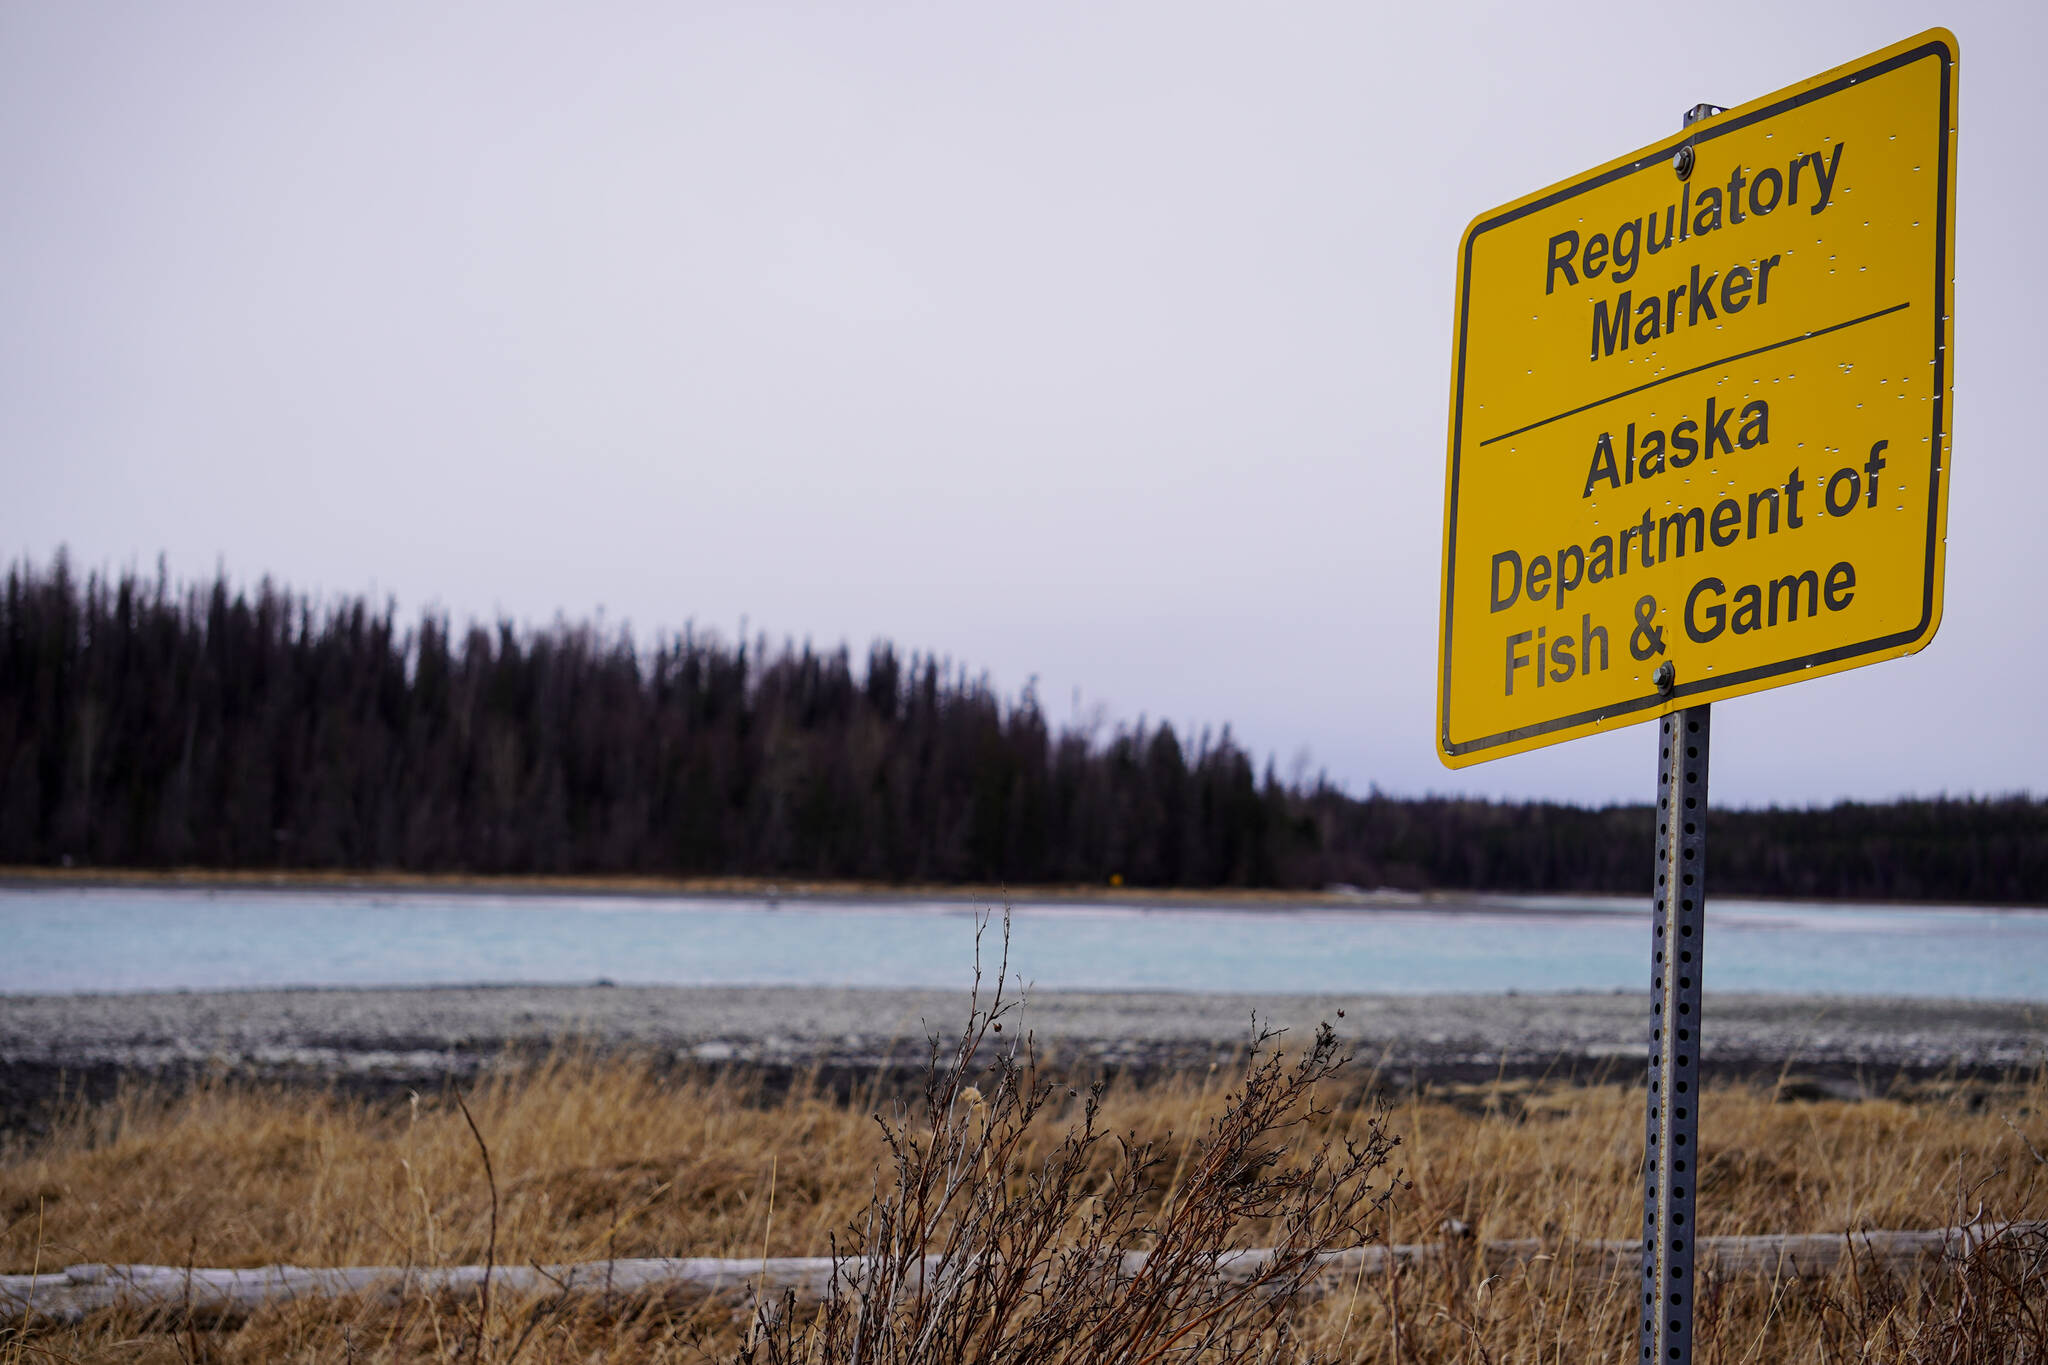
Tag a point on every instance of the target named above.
point(1700, 413)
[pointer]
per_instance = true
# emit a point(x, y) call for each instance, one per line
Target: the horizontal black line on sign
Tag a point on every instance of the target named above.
point(1711, 364)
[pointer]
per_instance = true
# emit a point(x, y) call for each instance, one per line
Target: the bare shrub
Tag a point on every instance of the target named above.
point(969, 1252)
point(1987, 1304)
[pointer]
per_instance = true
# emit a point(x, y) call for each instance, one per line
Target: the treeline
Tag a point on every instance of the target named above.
point(147, 726)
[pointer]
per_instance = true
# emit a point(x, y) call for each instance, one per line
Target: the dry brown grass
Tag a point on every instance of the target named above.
point(597, 1158)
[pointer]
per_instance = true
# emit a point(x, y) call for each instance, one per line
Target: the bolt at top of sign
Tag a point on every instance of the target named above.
point(1682, 160)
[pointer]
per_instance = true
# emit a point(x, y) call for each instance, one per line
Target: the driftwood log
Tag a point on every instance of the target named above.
point(225, 1297)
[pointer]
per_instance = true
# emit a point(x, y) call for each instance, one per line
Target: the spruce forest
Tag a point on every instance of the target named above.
point(144, 725)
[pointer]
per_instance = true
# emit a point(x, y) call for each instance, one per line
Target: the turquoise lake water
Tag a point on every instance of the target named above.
point(117, 939)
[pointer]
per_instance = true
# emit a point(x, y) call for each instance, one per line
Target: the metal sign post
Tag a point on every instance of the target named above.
point(1671, 1141)
point(1677, 952)
point(1699, 447)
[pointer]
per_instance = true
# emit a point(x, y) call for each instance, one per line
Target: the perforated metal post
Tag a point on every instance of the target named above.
point(1677, 950)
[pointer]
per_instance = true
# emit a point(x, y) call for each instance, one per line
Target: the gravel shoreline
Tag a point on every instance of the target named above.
point(395, 1039)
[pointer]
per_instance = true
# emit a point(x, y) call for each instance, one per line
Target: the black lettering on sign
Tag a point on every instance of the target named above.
point(1759, 205)
point(1749, 610)
point(1603, 467)
point(1680, 449)
point(1767, 497)
point(1707, 217)
point(1651, 463)
point(1610, 331)
point(1826, 177)
point(1841, 579)
point(1649, 321)
point(1704, 624)
point(1561, 659)
point(1756, 425)
point(1789, 586)
point(1617, 254)
point(1701, 299)
point(1646, 639)
point(1727, 522)
point(1561, 260)
point(1555, 661)
point(1849, 484)
point(1600, 566)
point(1763, 278)
point(1691, 519)
point(1717, 430)
point(1566, 581)
point(1509, 560)
point(1682, 440)
point(1517, 658)
point(1707, 615)
point(1650, 238)
point(1735, 290)
point(1871, 467)
point(1627, 245)
point(1590, 635)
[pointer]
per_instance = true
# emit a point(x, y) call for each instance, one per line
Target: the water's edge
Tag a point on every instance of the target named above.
point(386, 1042)
point(128, 938)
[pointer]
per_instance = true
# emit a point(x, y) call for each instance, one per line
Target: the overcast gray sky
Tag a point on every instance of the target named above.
point(1103, 343)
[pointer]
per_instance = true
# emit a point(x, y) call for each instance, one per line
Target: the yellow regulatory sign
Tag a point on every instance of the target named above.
point(1700, 413)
